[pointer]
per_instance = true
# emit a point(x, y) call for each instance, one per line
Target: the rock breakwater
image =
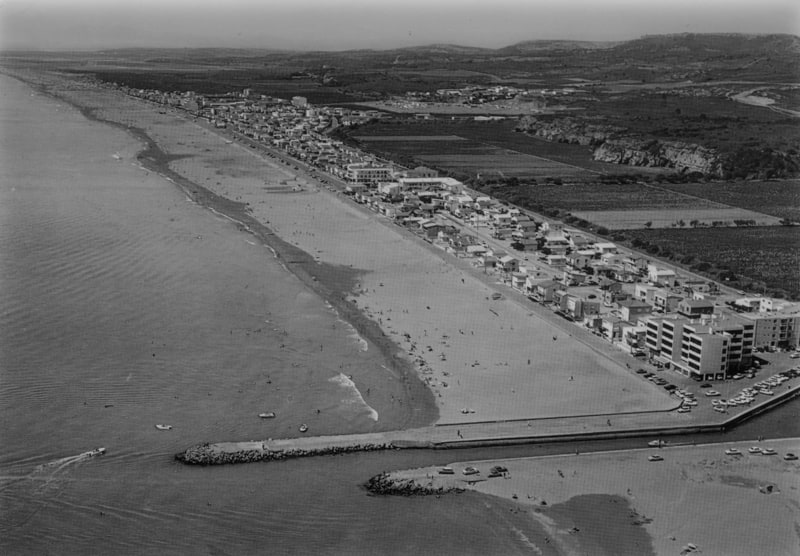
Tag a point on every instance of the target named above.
point(209, 454)
point(385, 484)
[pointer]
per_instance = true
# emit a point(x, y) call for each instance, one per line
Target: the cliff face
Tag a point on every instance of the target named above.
point(611, 145)
point(684, 157)
point(568, 130)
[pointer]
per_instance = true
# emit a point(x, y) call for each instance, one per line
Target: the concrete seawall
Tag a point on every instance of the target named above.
point(469, 435)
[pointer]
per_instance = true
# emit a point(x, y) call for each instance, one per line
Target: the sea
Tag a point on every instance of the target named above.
point(124, 305)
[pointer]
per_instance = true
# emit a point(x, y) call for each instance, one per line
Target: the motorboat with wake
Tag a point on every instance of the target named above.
point(164, 427)
point(267, 415)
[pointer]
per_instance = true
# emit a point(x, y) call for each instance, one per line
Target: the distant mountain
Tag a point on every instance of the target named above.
point(702, 46)
point(527, 47)
point(445, 49)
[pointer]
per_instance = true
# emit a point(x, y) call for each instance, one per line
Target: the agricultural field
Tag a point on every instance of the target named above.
point(759, 259)
point(575, 198)
point(677, 217)
point(778, 198)
point(466, 159)
point(499, 134)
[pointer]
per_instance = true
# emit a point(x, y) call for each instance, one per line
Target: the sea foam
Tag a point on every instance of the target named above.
point(355, 396)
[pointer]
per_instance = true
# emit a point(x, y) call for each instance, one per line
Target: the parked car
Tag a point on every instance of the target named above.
point(655, 457)
point(470, 471)
point(733, 452)
point(789, 456)
point(712, 393)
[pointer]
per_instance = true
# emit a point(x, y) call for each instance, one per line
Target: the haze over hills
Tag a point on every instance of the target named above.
point(715, 56)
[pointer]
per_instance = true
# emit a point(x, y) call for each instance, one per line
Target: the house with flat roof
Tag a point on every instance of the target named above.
point(611, 327)
point(665, 301)
point(543, 291)
point(580, 259)
point(633, 310)
point(580, 308)
point(602, 248)
point(509, 263)
point(695, 308)
point(518, 280)
point(661, 276)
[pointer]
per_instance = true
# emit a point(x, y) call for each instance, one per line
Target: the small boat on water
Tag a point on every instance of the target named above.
point(267, 415)
point(303, 427)
point(164, 427)
point(96, 452)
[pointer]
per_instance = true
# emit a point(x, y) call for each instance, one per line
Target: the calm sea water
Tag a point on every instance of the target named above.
point(124, 305)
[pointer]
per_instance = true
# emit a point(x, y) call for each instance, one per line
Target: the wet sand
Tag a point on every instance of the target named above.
point(621, 503)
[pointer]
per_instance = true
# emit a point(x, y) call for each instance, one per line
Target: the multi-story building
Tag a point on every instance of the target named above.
point(365, 173)
point(775, 330)
point(706, 349)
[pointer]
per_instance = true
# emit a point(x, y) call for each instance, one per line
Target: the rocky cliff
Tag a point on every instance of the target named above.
point(568, 130)
point(611, 144)
point(684, 157)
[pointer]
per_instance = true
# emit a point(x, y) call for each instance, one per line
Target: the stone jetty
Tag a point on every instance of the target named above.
point(386, 485)
point(211, 454)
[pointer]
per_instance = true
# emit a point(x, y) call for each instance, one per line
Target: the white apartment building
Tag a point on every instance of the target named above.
point(367, 174)
point(706, 349)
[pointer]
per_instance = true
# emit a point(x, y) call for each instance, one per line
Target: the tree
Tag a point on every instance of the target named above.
point(648, 224)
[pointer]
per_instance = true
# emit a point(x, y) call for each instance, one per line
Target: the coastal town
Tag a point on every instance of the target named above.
point(402, 302)
point(659, 314)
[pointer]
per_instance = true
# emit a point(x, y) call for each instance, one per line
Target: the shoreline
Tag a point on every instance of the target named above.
point(589, 502)
point(332, 283)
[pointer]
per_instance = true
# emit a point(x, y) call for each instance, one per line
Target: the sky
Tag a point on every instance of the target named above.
point(378, 24)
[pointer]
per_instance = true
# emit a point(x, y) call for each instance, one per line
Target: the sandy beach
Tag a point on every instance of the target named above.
point(496, 359)
point(427, 311)
point(725, 505)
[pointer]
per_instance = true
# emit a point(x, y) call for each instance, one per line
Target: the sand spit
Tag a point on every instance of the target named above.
point(602, 503)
